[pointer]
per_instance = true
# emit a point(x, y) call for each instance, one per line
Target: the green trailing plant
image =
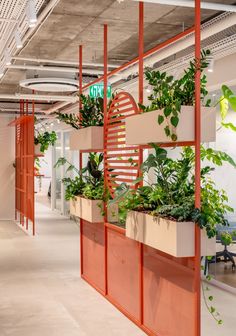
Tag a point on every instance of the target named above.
point(88, 182)
point(209, 299)
point(168, 93)
point(91, 113)
point(172, 193)
point(45, 140)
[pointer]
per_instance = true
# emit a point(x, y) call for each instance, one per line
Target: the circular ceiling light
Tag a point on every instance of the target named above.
point(50, 84)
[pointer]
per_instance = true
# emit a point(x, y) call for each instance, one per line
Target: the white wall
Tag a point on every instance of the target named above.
point(225, 176)
point(7, 171)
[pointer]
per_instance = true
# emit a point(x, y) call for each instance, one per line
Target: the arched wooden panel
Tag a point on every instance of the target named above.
point(122, 163)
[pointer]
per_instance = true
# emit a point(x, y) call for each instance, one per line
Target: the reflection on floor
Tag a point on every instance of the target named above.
point(222, 271)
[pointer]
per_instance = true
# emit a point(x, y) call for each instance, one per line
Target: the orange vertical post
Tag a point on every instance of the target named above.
point(30, 141)
point(80, 153)
point(26, 160)
point(80, 74)
point(198, 166)
point(141, 62)
point(105, 122)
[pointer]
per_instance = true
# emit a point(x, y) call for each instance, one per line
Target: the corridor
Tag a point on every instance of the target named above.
point(41, 292)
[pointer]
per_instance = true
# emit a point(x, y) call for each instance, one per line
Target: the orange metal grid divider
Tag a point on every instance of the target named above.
point(114, 136)
point(24, 170)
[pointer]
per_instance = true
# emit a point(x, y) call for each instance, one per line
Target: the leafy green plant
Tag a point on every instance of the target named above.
point(45, 140)
point(171, 195)
point(91, 113)
point(88, 182)
point(227, 100)
point(226, 237)
point(169, 93)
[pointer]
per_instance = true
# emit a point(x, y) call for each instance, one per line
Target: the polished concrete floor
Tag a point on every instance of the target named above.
point(41, 293)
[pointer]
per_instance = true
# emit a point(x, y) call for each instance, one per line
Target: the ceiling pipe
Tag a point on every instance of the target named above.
point(42, 60)
point(56, 107)
point(30, 32)
point(32, 97)
point(54, 69)
point(191, 4)
point(172, 49)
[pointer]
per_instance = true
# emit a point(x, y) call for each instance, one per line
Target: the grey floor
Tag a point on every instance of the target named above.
point(41, 293)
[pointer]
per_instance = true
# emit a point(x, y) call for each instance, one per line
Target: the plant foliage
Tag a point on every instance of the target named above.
point(168, 93)
point(172, 193)
point(227, 100)
point(88, 182)
point(45, 140)
point(91, 113)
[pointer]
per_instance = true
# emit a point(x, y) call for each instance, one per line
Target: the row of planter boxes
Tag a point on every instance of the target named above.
point(174, 238)
point(171, 237)
point(91, 210)
point(143, 128)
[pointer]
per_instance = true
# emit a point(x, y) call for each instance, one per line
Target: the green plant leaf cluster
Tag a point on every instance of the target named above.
point(91, 113)
point(88, 182)
point(227, 237)
point(172, 193)
point(168, 93)
point(45, 140)
point(227, 100)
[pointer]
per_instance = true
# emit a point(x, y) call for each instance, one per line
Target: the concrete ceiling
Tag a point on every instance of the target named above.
point(74, 22)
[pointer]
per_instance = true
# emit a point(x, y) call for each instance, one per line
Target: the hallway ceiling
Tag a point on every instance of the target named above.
point(74, 22)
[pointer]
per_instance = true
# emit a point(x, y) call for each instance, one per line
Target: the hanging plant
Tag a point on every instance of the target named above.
point(45, 140)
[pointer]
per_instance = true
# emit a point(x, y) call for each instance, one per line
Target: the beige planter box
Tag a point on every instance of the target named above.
point(143, 128)
point(89, 138)
point(174, 238)
point(37, 151)
point(90, 210)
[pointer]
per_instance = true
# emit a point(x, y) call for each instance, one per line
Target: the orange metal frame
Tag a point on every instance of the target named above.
point(24, 173)
point(143, 267)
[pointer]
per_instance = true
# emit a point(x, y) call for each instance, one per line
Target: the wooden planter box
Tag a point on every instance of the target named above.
point(143, 128)
point(174, 238)
point(89, 138)
point(90, 210)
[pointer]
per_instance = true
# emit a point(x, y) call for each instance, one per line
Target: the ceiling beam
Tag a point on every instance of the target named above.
point(75, 64)
point(54, 69)
point(32, 97)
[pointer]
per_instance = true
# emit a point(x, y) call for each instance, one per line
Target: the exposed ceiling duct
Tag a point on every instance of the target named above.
point(32, 97)
point(191, 4)
point(210, 28)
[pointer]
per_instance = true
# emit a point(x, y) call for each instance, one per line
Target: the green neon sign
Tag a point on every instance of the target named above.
point(97, 90)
